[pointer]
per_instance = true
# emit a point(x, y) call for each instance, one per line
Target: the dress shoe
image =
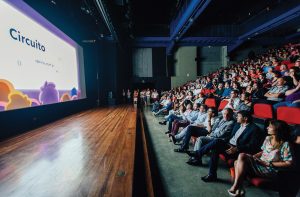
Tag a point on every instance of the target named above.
point(167, 132)
point(241, 192)
point(194, 162)
point(209, 178)
point(191, 153)
point(180, 150)
point(163, 122)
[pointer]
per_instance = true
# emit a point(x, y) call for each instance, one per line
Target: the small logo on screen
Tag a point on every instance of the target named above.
point(16, 35)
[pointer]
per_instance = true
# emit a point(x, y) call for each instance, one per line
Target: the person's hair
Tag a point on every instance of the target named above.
point(230, 112)
point(246, 114)
point(282, 132)
point(204, 106)
point(247, 95)
point(235, 91)
point(186, 102)
point(214, 111)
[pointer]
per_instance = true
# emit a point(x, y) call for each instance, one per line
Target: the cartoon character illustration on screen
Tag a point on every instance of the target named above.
point(65, 97)
point(74, 94)
point(48, 94)
point(17, 100)
point(5, 89)
point(34, 102)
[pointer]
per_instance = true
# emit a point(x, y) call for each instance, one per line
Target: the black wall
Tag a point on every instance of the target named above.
point(115, 71)
point(106, 59)
point(161, 77)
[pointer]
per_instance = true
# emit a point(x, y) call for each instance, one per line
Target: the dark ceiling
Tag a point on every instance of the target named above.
point(152, 18)
point(140, 18)
point(234, 12)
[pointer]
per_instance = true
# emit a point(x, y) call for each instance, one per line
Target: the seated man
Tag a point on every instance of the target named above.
point(190, 118)
point(275, 93)
point(218, 93)
point(166, 106)
point(175, 116)
point(210, 118)
point(227, 90)
point(234, 100)
point(245, 137)
point(221, 129)
point(201, 115)
point(157, 104)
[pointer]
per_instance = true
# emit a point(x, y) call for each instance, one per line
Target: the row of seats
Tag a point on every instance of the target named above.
point(211, 102)
point(264, 111)
point(287, 114)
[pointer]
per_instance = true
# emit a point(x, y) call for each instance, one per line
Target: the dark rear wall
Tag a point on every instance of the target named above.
point(160, 79)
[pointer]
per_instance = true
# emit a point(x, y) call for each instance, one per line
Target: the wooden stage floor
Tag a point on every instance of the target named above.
point(86, 154)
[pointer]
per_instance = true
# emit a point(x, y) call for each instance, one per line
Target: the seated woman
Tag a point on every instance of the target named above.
point(275, 154)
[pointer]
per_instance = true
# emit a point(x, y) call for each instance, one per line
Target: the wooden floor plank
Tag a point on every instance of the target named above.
point(86, 154)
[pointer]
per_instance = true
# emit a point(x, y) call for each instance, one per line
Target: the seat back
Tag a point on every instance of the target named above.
point(290, 65)
point(261, 110)
point(210, 102)
point(222, 105)
point(290, 115)
point(286, 62)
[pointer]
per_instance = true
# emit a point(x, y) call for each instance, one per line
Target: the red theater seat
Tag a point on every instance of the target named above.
point(210, 102)
point(222, 105)
point(286, 62)
point(263, 111)
point(230, 164)
point(290, 115)
point(290, 65)
point(207, 91)
point(277, 68)
point(262, 182)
